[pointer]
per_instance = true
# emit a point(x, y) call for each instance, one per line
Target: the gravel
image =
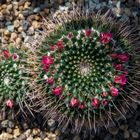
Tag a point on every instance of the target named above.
point(20, 22)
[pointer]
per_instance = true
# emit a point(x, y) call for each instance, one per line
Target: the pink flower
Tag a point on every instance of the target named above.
point(6, 54)
point(121, 80)
point(88, 32)
point(104, 102)
point(60, 45)
point(50, 80)
point(119, 67)
point(82, 106)
point(123, 57)
point(15, 56)
point(52, 47)
point(114, 91)
point(114, 55)
point(74, 102)
point(9, 103)
point(104, 94)
point(105, 38)
point(70, 35)
point(47, 60)
point(95, 102)
point(57, 91)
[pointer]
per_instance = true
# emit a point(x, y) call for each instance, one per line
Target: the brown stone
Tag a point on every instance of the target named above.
point(16, 23)
point(16, 132)
point(6, 136)
point(21, 8)
point(4, 6)
point(18, 41)
point(20, 29)
point(9, 7)
point(35, 24)
point(37, 138)
point(26, 5)
point(6, 32)
point(13, 36)
point(36, 131)
point(31, 18)
point(47, 10)
point(20, 16)
point(37, 17)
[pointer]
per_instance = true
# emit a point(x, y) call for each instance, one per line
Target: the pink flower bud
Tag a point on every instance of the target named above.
point(104, 102)
point(60, 45)
point(105, 38)
point(6, 54)
point(57, 91)
point(119, 67)
point(95, 102)
point(74, 102)
point(82, 106)
point(114, 91)
point(123, 57)
point(70, 35)
point(47, 60)
point(9, 103)
point(104, 94)
point(15, 56)
point(88, 32)
point(121, 80)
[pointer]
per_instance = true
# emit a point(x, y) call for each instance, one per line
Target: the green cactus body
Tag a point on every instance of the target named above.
point(15, 77)
point(85, 73)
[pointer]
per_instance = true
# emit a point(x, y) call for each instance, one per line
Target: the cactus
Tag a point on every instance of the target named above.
point(16, 75)
point(87, 70)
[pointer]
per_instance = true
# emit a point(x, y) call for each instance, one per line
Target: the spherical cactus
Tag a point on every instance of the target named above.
point(16, 75)
point(88, 70)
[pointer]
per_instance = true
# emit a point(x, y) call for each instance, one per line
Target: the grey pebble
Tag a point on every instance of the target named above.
point(30, 31)
point(37, 9)
point(25, 24)
point(25, 126)
point(51, 122)
point(135, 134)
point(26, 13)
point(23, 34)
point(9, 130)
point(11, 124)
point(10, 28)
point(4, 123)
point(126, 134)
point(8, 23)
